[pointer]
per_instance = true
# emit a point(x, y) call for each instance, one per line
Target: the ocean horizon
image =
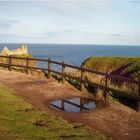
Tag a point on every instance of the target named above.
point(75, 54)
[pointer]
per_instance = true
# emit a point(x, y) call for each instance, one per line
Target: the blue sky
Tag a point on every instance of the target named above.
point(70, 21)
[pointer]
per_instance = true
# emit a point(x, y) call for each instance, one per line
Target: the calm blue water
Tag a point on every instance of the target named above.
point(76, 54)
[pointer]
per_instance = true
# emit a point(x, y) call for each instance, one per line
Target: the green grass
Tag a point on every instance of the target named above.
point(20, 121)
point(108, 64)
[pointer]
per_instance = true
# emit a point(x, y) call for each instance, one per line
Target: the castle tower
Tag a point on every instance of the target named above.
point(24, 49)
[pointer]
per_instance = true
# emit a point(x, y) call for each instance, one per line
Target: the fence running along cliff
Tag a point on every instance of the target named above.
point(50, 70)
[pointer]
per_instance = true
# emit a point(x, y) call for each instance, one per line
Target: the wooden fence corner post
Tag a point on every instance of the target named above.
point(82, 74)
point(27, 65)
point(106, 94)
point(49, 68)
point(10, 62)
point(63, 68)
point(138, 103)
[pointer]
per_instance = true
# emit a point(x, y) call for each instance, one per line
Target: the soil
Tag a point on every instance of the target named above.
point(116, 121)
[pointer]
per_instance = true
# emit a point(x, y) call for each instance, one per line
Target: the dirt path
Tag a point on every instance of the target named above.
point(116, 121)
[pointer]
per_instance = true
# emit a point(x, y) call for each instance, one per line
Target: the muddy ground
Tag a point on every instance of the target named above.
point(116, 121)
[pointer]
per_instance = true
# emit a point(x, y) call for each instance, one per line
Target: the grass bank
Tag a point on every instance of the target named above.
point(21, 121)
point(110, 64)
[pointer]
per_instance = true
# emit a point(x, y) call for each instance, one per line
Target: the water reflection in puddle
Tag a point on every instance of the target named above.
point(74, 104)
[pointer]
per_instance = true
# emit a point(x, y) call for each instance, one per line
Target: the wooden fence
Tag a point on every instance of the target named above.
point(81, 79)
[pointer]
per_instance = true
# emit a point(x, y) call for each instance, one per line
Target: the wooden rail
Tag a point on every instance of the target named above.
point(81, 79)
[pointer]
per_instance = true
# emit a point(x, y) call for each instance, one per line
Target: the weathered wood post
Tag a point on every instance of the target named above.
point(62, 105)
point(10, 62)
point(138, 103)
point(49, 68)
point(63, 68)
point(82, 78)
point(106, 95)
point(27, 65)
point(81, 104)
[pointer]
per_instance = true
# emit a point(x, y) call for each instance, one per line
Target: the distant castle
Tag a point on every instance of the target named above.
point(18, 51)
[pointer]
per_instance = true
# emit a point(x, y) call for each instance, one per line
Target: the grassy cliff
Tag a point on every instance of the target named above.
point(18, 61)
point(22, 62)
point(109, 64)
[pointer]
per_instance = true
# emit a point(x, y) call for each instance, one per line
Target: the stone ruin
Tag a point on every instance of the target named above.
point(19, 51)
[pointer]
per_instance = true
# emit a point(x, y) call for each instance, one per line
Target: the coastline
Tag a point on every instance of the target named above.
point(76, 54)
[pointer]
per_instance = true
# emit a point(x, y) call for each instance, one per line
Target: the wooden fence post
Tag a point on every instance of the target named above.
point(62, 105)
point(27, 65)
point(63, 67)
point(138, 103)
point(106, 91)
point(49, 67)
point(10, 62)
point(82, 73)
point(81, 104)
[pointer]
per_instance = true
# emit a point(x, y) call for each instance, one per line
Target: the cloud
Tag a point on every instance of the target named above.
point(135, 1)
point(69, 21)
point(6, 24)
point(116, 35)
point(71, 30)
point(17, 36)
point(79, 33)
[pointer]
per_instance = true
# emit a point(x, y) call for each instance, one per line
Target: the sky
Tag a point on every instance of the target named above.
point(115, 22)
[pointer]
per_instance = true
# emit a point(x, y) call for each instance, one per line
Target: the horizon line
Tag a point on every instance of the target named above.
point(71, 44)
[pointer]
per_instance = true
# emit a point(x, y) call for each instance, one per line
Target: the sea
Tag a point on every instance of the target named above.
point(75, 54)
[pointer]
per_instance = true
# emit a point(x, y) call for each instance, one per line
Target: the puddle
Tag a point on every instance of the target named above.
point(74, 104)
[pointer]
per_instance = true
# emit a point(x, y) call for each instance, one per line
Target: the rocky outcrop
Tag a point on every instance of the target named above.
point(19, 51)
